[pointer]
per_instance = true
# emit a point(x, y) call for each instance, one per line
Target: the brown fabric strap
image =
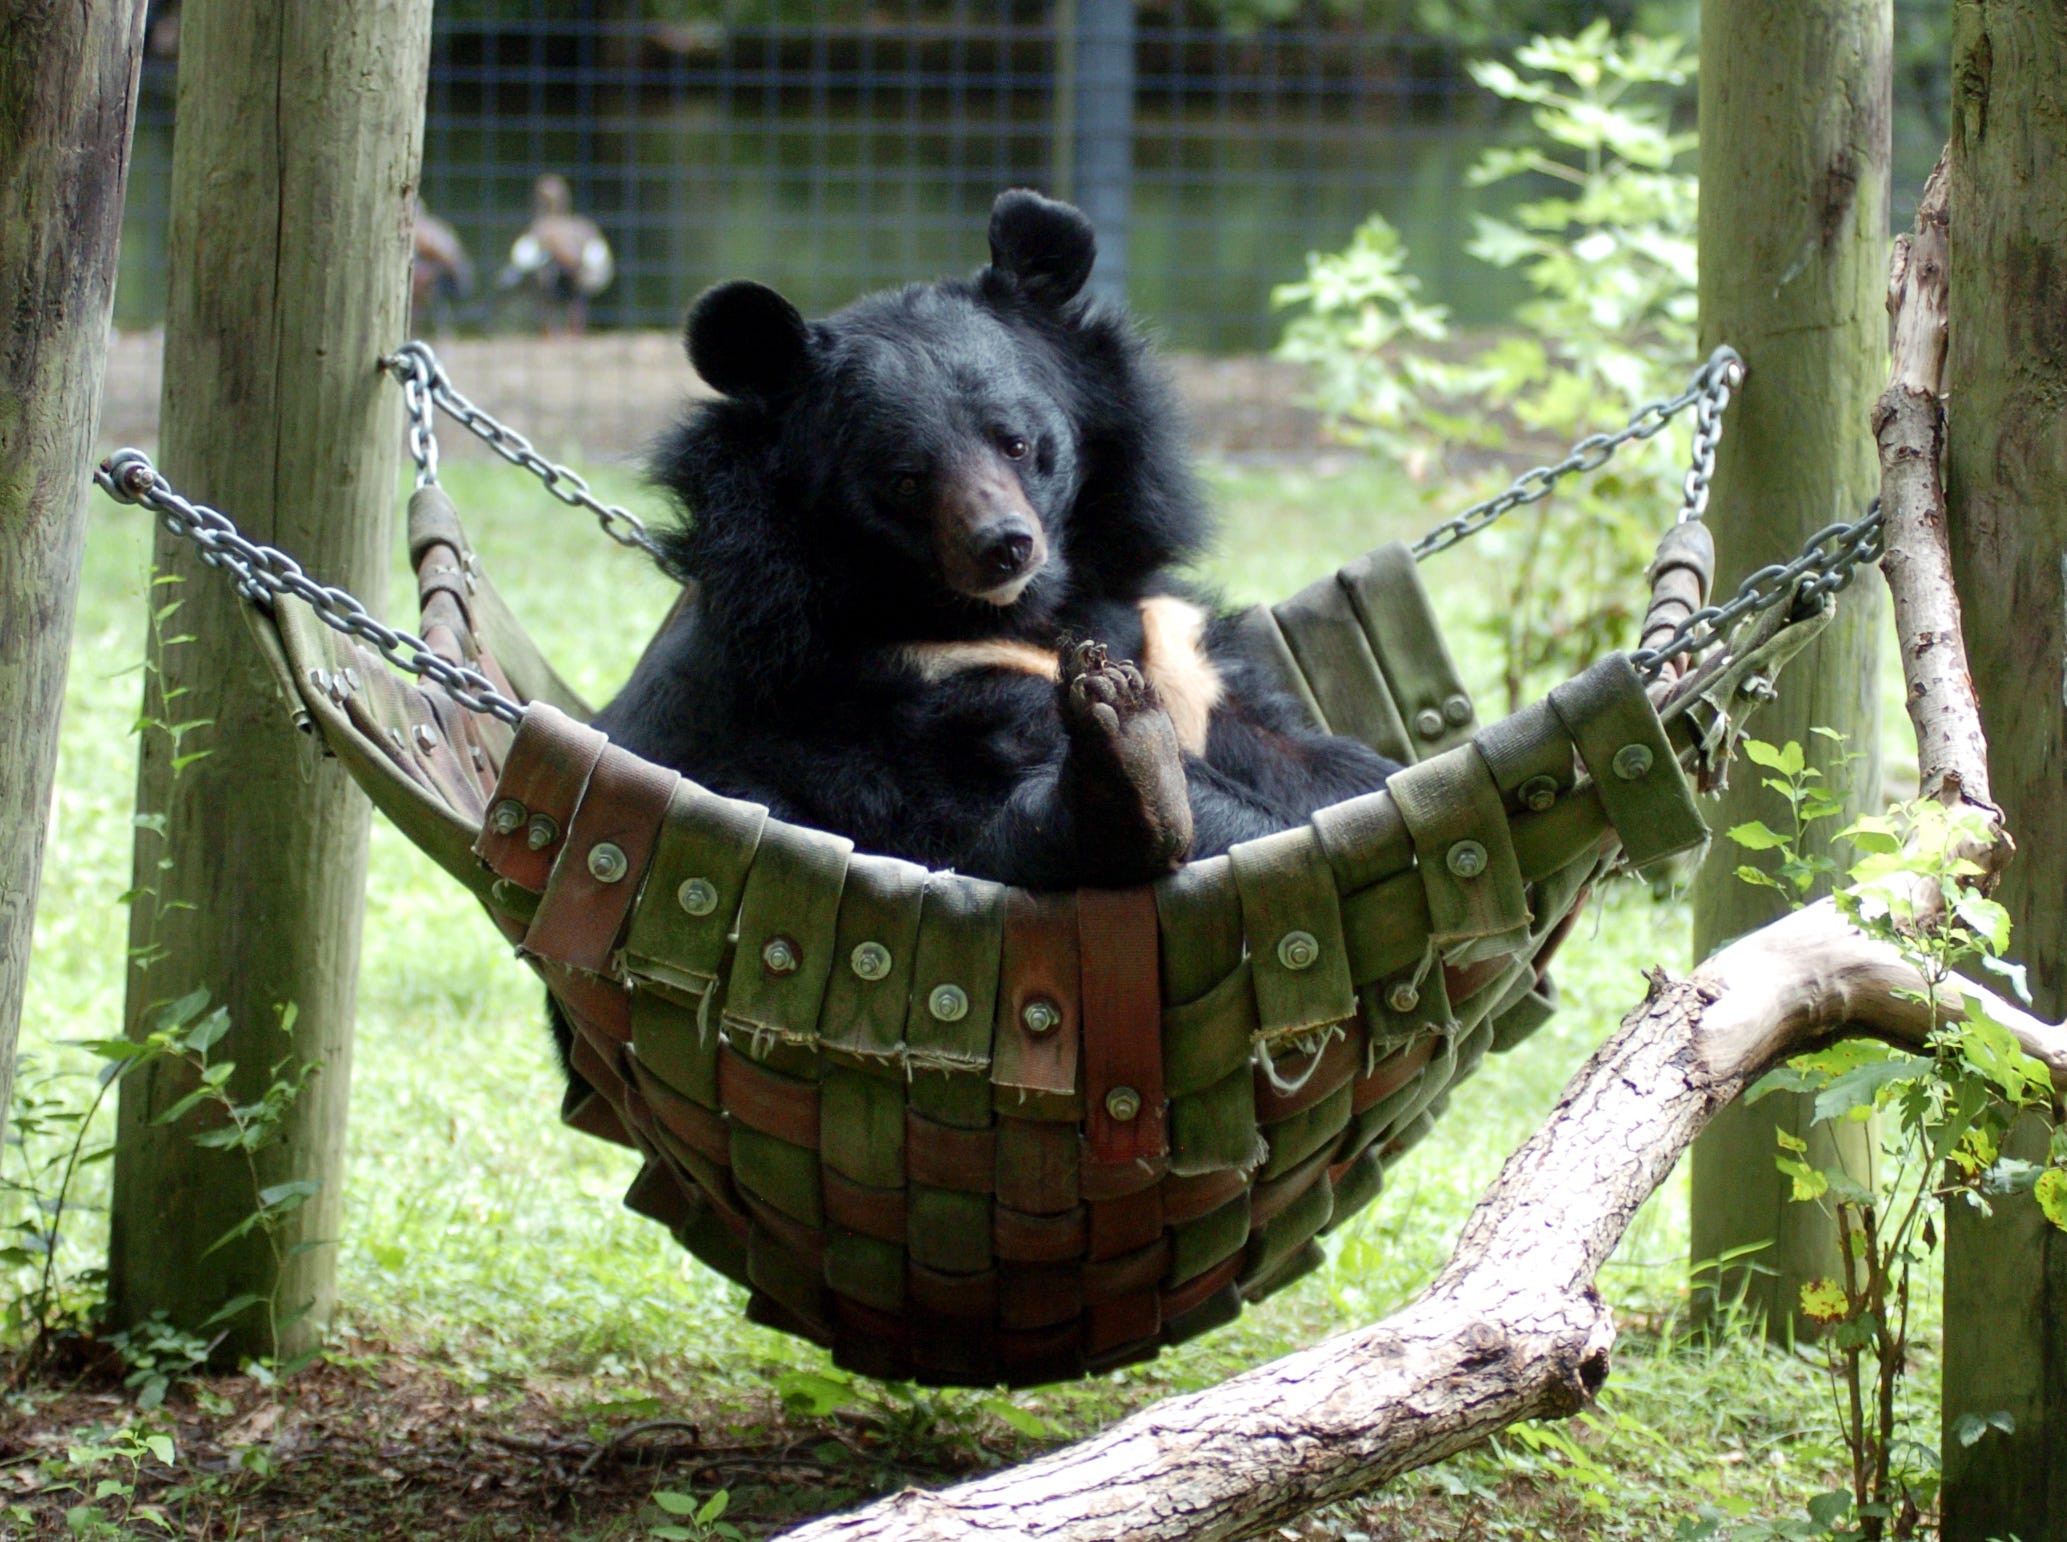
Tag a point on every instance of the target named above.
point(1120, 1226)
point(1307, 1078)
point(689, 1122)
point(864, 1208)
point(1038, 1239)
point(1037, 1165)
point(953, 1295)
point(1117, 1328)
point(549, 764)
point(947, 1157)
point(1112, 1278)
point(1037, 1033)
point(1187, 1198)
point(1040, 1296)
point(766, 1100)
point(1269, 1199)
point(603, 861)
point(1123, 1028)
point(1391, 1074)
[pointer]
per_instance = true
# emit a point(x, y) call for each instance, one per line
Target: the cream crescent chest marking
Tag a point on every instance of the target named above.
point(1173, 657)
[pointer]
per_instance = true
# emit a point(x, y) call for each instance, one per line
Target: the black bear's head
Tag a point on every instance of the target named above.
point(926, 450)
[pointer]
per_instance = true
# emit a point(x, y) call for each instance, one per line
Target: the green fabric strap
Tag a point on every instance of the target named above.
point(432, 517)
point(1325, 636)
point(1293, 916)
point(1530, 756)
point(1645, 794)
point(1200, 918)
point(1475, 900)
point(1385, 588)
point(684, 916)
point(954, 999)
point(787, 920)
point(418, 810)
point(873, 953)
point(1266, 644)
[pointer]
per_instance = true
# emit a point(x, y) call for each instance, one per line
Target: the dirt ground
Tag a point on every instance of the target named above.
point(608, 395)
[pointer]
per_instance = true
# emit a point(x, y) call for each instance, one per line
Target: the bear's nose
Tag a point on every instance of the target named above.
point(1006, 551)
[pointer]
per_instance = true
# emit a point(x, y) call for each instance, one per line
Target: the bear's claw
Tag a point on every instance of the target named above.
point(1125, 774)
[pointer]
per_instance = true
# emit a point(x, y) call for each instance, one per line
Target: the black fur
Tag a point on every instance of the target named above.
point(813, 490)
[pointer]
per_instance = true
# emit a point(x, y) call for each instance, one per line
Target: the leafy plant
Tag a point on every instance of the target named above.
point(53, 1136)
point(1946, 1115)
point(694, 1520)
point(1609, 325)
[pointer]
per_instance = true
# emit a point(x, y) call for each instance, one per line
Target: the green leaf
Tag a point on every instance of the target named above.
point(1787, 760)
point(2051, 1194)
point(713, 1508)
point(1756, 836)
point(811, 1393)
point(1828, 1508)
point(279, 1198)
point(674, 1503)
point(1968, 1428)
point(1023, 1420)
point(160, 1446)
point(1784, 1078)
point(231, 1308)
point(1824, 1301)
point(1854, 1093)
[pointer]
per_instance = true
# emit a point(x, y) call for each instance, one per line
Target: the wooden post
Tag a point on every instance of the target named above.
point(1794, 103)
point(67, 105)
point(294, 169)
point(2006, 497)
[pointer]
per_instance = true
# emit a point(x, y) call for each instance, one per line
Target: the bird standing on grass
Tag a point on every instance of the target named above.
point(563, 255)
point(440, 273)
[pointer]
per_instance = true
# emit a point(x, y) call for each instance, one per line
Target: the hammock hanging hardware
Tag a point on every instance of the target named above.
point(968, 1134)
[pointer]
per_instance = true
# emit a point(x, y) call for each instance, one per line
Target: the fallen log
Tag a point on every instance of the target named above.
point(1513, 1328)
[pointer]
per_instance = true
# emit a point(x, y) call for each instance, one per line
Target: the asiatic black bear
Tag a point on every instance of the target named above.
point(937, 537)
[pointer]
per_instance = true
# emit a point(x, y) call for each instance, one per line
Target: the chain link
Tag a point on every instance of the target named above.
point(1827, 564)
point(426, 385)
point(1709, 391)
point(263, 572)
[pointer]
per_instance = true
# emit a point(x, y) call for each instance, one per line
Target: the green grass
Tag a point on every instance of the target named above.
point(483, 1239)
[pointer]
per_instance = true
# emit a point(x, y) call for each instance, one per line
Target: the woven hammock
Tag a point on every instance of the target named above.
point(968, 1134)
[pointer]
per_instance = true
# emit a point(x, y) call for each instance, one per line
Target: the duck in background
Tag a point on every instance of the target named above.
point(440, 273)
point(563, 255)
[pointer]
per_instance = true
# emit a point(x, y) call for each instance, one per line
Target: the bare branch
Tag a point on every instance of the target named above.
point(1908, 424)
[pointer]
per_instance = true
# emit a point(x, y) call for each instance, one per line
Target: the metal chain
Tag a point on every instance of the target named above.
point(263, 572)
point(425, 385)
point(1709, 391)
point(1827, 564)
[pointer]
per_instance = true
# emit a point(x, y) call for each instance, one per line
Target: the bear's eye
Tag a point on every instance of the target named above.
point(1015, 447)
point(907, 487)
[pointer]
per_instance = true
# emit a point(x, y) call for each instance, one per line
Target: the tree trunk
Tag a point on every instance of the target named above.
point(67, 105)
point(2006, 491)
point(1794, 216)
point(294, 168)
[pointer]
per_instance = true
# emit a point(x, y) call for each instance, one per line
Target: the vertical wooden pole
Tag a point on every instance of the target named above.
point(294, 166)
point(1794, 104)
point(2006, 498)
point(67, 106)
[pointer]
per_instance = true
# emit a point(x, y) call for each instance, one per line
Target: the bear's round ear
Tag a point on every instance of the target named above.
point(747, 340)
point(1046, 247)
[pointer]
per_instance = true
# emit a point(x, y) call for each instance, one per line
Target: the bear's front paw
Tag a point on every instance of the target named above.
point(1125, 774)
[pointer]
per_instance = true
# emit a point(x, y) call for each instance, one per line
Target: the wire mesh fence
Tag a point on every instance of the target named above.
point(828, 147)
